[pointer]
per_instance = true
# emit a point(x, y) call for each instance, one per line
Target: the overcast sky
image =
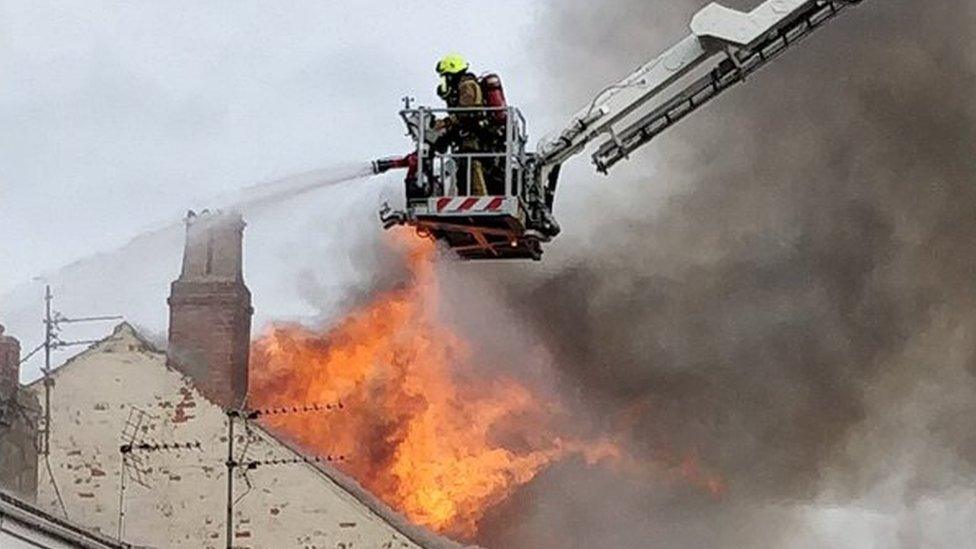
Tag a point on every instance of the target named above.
point(117, 116)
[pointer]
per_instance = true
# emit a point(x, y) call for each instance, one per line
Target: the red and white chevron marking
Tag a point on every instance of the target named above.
point(470, 204)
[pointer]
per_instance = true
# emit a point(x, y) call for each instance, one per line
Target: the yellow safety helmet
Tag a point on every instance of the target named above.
point(451, 63)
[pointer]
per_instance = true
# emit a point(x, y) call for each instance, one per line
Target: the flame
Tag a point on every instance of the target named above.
point(420, 427)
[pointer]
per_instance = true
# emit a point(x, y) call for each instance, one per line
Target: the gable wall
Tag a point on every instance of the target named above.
point(181, 500)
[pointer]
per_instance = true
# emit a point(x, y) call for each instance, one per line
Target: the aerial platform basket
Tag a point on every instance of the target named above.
point(511, 220)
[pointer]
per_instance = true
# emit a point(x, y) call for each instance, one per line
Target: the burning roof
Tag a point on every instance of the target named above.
point(426, 432)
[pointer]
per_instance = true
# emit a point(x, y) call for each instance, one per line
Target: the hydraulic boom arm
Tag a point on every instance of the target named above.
point(726, 43)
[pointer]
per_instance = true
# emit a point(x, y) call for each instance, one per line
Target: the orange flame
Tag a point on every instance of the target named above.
point(420, 428)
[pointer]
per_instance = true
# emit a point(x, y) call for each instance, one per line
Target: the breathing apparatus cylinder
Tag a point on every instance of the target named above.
point(494, 97)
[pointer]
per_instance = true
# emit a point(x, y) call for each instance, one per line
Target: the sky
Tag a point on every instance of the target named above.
point(121, 115)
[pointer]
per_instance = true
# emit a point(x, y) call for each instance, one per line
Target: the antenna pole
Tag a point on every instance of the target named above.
point(230, 478)
point(48, 342)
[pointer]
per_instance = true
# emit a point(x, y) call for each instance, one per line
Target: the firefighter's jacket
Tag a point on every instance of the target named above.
point(465, 127)
point(463, 130)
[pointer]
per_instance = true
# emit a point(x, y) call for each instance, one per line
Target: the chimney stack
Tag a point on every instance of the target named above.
point(9, 366)
point(210, 309)
point(19, 413)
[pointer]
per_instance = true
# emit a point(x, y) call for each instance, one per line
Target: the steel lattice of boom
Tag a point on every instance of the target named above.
point(513, 221)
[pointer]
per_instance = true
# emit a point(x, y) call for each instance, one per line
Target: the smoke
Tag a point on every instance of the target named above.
point(796, 312)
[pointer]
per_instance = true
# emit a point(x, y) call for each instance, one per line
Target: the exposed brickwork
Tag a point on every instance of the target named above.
point(19, 412)
point(210, 309)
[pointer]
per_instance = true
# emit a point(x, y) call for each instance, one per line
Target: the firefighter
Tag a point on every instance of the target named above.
point(462, 131)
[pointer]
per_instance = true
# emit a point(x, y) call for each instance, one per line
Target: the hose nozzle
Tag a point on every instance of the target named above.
point(384, 165)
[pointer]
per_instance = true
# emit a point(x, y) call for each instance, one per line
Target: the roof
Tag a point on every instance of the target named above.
point(418, 534)
point(52, 526)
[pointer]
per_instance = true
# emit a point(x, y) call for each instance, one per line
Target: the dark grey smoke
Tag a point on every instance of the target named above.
point(798, 313)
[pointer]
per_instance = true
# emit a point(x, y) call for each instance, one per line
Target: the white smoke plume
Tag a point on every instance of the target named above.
point(288, 224)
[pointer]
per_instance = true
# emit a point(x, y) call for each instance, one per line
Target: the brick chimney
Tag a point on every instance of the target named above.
point(9, 366)
point(210, 309)
point(19, 412)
